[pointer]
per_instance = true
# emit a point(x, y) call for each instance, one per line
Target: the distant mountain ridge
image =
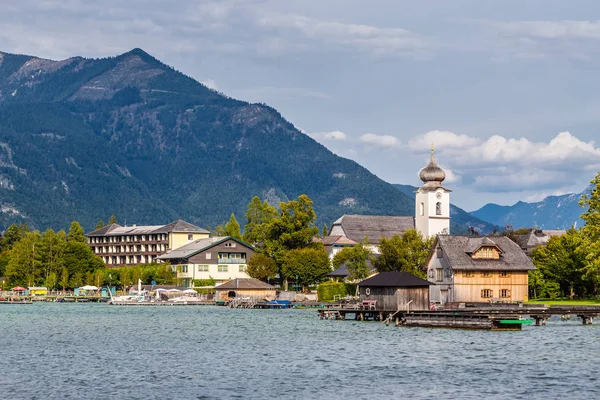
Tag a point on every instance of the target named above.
point(128, 135)
point(553, 212)
point(460, 220)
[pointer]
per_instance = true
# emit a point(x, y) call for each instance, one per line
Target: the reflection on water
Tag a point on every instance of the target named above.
point(98, 351)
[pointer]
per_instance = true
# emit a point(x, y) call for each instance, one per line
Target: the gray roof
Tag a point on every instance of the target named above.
point(538, 237)
point(457, 251)
point(394, 279)
point(342, 270)
point(375, 227)
point(196, 247)
point(176, 226)
point(245, 283)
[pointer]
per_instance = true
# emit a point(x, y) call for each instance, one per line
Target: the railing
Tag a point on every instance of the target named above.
point(232, 261)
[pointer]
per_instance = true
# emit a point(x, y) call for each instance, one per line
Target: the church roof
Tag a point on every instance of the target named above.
point(432, 175)
point(457, 251)
point(375, 227)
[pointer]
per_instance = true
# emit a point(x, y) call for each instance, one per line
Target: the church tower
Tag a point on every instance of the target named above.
point(432, 203)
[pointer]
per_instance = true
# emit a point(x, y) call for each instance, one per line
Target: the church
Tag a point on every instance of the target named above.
point(461, 268)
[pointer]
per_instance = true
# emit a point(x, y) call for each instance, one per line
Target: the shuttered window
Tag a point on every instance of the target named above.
point(486, 293)
point(505, 293)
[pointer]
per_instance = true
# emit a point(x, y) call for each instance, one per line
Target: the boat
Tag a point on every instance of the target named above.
point(138, 296)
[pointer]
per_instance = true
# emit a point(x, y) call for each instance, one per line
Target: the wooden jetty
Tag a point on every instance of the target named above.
point(511, 317)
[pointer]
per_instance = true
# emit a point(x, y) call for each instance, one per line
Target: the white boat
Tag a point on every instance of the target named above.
point(137, 296)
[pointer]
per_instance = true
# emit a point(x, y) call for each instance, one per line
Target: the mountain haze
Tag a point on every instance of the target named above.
point(86, 138)
point(553, 212)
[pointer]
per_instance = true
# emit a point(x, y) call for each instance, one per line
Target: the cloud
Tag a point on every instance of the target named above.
point(333, 135)
point(384, 141)
point(210, 83)
point(549, 29)
point(500, 164)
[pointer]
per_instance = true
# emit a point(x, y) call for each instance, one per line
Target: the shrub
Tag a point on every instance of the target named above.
point(327, 290)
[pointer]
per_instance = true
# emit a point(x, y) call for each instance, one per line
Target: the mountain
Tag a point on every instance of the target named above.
point(87, 138)
point(553, 212)
point(460, 220)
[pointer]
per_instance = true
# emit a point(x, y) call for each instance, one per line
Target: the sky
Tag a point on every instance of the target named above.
point(506, 91)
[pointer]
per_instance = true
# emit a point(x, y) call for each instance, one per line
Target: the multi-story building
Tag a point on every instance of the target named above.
point(131, 245)
point(219, 258)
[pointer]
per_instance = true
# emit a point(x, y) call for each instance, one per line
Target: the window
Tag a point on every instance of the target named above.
point(222, 268)
point(229, 244)
point(242, 268)
point(208, 256)
point(505, 293)
point(504, 274)
point(202, 268)
point(438, 208)
point(486, 293)
point(422, 209)
point(486, 274)
point(439, 252)
point(469, 274)
point(439, 274)
point(431, 273)
point(183, 268)
point(190, 236)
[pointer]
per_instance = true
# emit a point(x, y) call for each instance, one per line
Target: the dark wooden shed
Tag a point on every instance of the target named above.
point(395, 291)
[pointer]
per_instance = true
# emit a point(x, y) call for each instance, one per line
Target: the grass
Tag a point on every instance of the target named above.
point(567, 302)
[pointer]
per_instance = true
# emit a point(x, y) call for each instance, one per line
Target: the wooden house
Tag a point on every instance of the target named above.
point(245, 287)
point(394, 291)
point(477, 269)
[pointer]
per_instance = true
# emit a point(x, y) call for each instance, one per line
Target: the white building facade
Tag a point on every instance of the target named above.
point(432, 202)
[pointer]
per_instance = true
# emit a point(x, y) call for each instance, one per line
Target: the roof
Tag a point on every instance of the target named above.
point(537, 237)
point(457, 251)
point(198, 246)
point(474, 245)
point(342, 270)
point(394, 279)
point(337, 240)
point(245, 283)
point(375, 227)
point(176, 226)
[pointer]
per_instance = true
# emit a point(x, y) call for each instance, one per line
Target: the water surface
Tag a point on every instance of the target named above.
point(76, 351)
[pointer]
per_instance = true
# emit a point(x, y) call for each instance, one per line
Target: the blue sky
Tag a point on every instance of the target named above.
point(507, 91)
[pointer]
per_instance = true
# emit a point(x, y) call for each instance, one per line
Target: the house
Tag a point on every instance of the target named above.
point(432, 214)
point(245, 287)
point(394, 291)
point(537, 237)
point(131, 245)
point(334, 244)
point(220, 258)
point(477, 269)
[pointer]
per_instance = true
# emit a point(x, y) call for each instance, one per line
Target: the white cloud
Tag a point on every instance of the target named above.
point(210, 83)
point(500, 164)
point(385, 141)
point(549, 29)
point(333, 135)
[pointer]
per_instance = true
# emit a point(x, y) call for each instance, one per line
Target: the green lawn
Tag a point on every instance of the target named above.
point(588, 302)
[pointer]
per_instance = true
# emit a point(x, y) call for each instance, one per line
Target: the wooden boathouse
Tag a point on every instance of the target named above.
point(395, 291)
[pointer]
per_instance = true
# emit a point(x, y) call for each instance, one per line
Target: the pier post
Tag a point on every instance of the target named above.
point(397, 322)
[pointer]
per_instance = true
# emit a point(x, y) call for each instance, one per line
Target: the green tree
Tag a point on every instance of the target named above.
point(232, 228)
point(112, 220)
point(64, 278)
point(100, 225)
point(219, 231)
point(10, 237)
point(406, 253)
point(79, 259)
point(261, 267)
point(52, 249)
point(259, 215)
point(590, 246)
point(25, 260)
point(308, 266)
point(76, 233)
point(357, 263)
point(325, 230)
point(341, 257)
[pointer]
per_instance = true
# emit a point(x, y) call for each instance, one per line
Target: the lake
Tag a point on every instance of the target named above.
point(76, 351)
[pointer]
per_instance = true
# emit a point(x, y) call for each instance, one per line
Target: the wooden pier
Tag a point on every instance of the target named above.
point(489, 318)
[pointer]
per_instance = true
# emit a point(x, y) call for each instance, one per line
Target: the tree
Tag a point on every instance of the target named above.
point(308, 266)
point(219, 231)
point(25, 260)
point(561, 262)
point(112, 220)
point(261, 267)
point(259, 215)
point(232, 228)
point(590, 246)
point(64, 278)
point(52, 249)
point(325, 230)
point(358, 268)
point(406, 253)
point(76, 233)
point(100, 225)
point(10, 237)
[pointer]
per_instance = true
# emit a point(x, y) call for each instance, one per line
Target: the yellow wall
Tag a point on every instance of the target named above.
point(177, 239)
point(469, 288)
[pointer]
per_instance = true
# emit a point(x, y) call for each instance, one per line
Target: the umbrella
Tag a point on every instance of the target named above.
point(173, 290)
point(18, 289)
point(160, 290)
point(189, 291)
point(88, 287)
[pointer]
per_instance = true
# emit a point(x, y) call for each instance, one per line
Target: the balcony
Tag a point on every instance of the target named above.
point(232, 261)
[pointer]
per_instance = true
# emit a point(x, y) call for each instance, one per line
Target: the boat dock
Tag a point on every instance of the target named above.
point(491, 318)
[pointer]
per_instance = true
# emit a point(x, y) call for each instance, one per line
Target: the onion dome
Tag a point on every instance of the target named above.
point(432, 174)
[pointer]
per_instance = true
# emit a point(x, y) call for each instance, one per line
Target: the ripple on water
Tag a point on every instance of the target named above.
point(97, 351)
